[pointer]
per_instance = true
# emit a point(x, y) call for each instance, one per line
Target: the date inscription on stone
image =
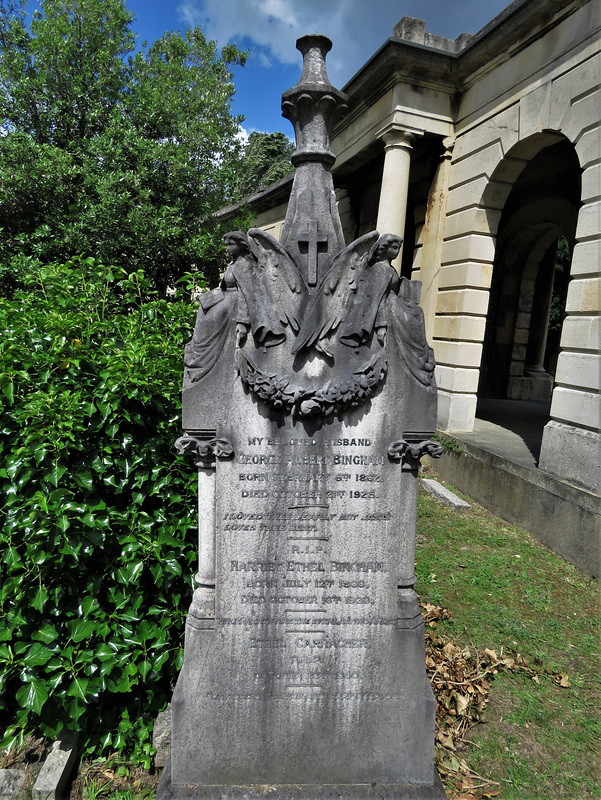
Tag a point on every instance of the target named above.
point(308, 565)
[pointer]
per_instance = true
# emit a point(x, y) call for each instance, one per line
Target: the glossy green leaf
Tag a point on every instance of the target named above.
point(40, 598)
point(37, 655)
point(33, 695)
point(47, 633)
point(78, 688)
point(80, 629)
point(62, 523)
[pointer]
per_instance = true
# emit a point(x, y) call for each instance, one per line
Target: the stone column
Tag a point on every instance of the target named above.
point(206, 525)
point(206, 448)
point(392, 209)
point(534, 369)
point(432, 236)
point(528, 377)
point(201, 614)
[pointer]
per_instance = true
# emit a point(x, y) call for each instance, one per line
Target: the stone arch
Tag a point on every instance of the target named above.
point(532, 199)
point(508, 171)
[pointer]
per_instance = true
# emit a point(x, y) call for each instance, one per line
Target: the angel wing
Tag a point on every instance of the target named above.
point(334, 298)
point(279, 277)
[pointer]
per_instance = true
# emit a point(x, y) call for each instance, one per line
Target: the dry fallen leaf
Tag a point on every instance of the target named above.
point(460, 680)
point(462, 703)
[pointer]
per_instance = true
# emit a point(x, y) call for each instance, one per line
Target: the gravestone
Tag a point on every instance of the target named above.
point(308, 399)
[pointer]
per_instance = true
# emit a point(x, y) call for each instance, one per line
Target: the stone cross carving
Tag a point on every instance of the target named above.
point(313, 106)
point(312, 238)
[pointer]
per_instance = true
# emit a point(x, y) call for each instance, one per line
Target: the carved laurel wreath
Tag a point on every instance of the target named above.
point(349, 389)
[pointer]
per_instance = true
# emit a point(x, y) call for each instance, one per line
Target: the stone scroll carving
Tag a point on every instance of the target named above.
point(410, 452)
point(202, 449)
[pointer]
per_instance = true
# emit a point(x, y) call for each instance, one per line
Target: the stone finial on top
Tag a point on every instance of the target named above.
point(313, 105)
point(312, 232)
point(314, 48)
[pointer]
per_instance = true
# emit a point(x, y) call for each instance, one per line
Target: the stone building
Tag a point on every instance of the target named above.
point(484, 152)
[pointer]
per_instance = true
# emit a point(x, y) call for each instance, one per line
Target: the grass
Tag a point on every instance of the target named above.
point(115, 779)
point(505, 590)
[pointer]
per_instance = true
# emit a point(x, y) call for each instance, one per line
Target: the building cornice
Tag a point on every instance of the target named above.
point(451, 67)
point(274, 195)
point(460, 63)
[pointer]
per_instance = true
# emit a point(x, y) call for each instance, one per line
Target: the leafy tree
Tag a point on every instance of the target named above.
point(265, 160)
point(107, 151)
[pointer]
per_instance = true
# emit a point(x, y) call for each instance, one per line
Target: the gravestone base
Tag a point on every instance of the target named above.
point(379, 740)
point(337, 791)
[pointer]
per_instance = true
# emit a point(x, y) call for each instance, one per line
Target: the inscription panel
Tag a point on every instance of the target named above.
point(308, 564)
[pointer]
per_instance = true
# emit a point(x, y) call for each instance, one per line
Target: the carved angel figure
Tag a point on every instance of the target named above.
point(261, 290)
point(405, 319)
point(278, 285)
point(402, 314)
point(218, 310)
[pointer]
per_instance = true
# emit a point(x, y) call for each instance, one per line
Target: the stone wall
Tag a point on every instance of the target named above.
point(505, 117)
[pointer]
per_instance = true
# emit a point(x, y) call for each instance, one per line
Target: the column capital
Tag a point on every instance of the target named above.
point(395, 135)
point(448, 144)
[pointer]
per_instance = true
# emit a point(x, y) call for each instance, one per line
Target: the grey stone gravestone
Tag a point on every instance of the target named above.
point(308, 399)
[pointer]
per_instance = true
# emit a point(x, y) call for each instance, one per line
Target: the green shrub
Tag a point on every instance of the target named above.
point(97, 545)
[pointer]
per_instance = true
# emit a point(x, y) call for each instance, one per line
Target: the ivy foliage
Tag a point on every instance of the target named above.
point(561, 279)
point(97, 543)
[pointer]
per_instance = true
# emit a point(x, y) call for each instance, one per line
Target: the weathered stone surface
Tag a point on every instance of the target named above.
point(309, 397)
point(372, 791)
point(302, 661)
point(11, 782)
point(441, 492)
point(582, 407)
point(583, 294)
point(456, 412)
point(572, 454)
point(161, 737)
point(56, 771)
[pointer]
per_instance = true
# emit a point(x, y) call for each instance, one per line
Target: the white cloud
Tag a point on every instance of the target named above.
point(280, 10)
point(273, 26)
point(264, 60)
point(242, 135)
point(357, 27)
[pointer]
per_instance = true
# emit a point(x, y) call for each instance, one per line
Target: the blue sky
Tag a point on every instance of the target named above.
point(269, 29)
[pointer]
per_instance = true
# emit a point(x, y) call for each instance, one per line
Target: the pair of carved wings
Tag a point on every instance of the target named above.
point(347, 297)
point(277, 276)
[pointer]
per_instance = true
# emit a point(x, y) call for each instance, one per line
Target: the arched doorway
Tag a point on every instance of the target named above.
point(536, 230)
